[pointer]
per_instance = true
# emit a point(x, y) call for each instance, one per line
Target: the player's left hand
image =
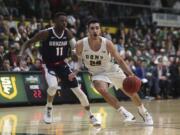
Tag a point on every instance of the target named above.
point(71, 76)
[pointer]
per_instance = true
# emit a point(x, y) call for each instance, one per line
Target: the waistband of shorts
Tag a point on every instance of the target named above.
point(54, 64)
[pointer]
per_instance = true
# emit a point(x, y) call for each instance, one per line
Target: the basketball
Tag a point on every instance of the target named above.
point(132, 84)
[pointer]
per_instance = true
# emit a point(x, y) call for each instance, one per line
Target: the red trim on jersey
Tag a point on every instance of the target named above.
point(56, 63)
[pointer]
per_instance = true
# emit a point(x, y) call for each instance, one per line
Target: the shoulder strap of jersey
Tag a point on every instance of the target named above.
point(85, 43)
point(104, 44)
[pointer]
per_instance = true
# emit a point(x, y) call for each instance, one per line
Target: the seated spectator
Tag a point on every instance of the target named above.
point(14, 36)
point(154, 81)
point(11, 23)
point(4, 30)
point(175, 77)
point(120, 47)
point(160, 79)
point(37, 66)
point(6, 65)
point(12, 55)
point(29, 61)
point(22, 66)
point(1, 56)
point(141, 72)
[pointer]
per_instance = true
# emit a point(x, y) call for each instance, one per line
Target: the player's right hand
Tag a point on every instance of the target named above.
point(71, 76)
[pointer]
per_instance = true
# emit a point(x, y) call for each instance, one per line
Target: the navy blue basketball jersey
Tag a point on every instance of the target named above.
point(55, 48)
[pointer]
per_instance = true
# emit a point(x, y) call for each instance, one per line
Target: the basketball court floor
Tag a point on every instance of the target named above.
point(73, 120)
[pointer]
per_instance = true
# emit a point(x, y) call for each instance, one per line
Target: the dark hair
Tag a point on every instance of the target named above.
point(92, 20)
point(59, 14)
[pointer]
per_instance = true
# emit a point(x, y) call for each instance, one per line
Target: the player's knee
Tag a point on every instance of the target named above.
point(52, 90)
point(81, 96)
point(102, 88)
point(102, 91)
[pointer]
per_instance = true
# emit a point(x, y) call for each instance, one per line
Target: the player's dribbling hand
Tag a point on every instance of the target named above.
point(71, 76)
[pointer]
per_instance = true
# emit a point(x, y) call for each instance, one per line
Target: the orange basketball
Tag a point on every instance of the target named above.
point(132, 84)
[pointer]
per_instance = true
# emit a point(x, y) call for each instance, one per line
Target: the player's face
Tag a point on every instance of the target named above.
point(94, 30)
point(61, 22)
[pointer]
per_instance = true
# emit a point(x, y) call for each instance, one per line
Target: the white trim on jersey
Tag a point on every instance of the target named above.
point(59, 37)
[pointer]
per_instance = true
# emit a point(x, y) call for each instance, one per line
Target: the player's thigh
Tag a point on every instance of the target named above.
point(63, 73)
point(117, 79)
point(50, 77)
point(100, 86)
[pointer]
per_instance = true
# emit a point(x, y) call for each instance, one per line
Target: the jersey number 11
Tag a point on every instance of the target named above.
point(59, 51)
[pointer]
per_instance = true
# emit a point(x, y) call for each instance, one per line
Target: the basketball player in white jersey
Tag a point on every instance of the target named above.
point(96, 52)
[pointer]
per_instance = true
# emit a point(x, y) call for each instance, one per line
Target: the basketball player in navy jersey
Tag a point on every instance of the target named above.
point(56, 42)
point(96, 52)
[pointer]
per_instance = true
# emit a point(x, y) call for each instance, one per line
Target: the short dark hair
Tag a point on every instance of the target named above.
point(92, 20)
point(59, 14)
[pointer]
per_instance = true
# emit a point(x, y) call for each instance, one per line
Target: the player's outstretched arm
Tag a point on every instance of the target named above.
point(38, 37)
point(118, 58)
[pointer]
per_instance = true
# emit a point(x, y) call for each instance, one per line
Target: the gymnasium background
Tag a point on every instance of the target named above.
point(146, 34)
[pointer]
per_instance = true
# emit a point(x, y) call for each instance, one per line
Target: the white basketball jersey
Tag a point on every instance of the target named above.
point(97, 61)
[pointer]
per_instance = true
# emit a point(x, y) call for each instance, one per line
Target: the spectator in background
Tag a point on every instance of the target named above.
point(4, 30)
point(154, 81)
point(1, 56)
point(22, 66)
point(37, 66)
point(169, 44)
point(72, 24)
point(29, 61)
point(11, 23)
point(45, 9)
point(6, 65)
point(3, 9)
point(33, 24)
point(141, 72)
point(120, 47)
point(163, 75)
point(174, 70)
point(41, 23)
point(14, 36)
point(81, 35)
point(22, 22)
point(50, 24)
point(106, 34)
point(160, 79)
point(13, 7)
point(12, 55)
point(23, 34)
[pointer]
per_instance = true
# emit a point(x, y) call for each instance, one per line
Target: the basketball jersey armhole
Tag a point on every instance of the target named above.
point(104, 44)
point(85, 44)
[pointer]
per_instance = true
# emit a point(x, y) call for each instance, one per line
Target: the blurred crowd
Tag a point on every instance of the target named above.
point(154, 56)
point(153, 53)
